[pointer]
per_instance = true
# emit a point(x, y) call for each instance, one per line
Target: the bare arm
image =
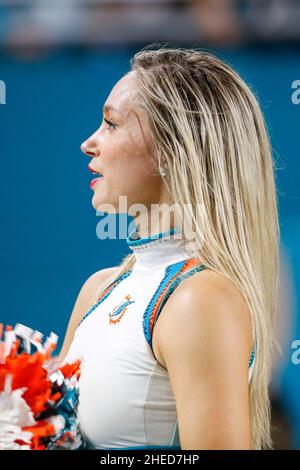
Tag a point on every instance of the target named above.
point(205, 339)
point(83, 303)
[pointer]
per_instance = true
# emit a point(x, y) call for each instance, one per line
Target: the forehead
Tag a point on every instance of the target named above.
point(123, 96)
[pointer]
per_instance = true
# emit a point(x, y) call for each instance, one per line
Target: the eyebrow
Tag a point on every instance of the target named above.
point(108, 107)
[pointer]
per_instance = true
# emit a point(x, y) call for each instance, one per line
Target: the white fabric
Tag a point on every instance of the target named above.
point(126, 399)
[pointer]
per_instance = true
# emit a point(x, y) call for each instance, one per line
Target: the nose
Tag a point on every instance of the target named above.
point(89, 147)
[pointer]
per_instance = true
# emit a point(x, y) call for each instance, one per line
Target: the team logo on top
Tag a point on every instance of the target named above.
point(119, 311)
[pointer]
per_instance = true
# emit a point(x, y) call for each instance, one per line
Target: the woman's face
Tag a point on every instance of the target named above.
point(119, 152)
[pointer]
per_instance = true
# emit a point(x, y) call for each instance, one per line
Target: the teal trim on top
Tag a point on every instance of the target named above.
point(110, 288)
point(142, 241)
point(172, 272)
point(252, 356)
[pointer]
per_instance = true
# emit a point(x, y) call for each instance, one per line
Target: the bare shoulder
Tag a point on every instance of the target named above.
point(89, 290)
point(91, 285)
point(205, 340)
point(211, 311)
point(84, 301)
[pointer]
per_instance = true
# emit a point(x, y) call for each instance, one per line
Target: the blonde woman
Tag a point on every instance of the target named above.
point(177, 342)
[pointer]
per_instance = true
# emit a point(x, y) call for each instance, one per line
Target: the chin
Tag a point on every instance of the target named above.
point(102, 205)
point(97, 202)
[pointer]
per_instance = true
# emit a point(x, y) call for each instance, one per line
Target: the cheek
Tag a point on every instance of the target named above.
point(125, 161)
point(135, 170)
point(139, 185)
point(122, 164)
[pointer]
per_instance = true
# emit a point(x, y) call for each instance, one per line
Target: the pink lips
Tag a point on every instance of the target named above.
point(95, 180)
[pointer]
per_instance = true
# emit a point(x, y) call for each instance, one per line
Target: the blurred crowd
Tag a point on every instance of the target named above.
point(48, 23)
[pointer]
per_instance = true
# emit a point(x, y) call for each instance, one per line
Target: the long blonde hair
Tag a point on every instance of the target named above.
point(208, 131)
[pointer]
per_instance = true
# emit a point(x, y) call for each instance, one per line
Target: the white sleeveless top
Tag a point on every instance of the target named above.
point(125, 395)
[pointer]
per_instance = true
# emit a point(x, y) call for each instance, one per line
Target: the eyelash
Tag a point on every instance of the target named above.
point(113, 126)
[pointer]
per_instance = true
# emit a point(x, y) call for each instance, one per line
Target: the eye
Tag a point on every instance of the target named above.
point(111, 124)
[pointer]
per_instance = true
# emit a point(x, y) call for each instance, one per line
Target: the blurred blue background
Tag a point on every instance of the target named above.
point(58, 73)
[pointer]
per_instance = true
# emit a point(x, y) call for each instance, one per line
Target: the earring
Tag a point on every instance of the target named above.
point(162, 171)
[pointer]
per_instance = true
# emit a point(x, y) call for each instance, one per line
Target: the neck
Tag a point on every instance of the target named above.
point(157, 250)
point(149, 226)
